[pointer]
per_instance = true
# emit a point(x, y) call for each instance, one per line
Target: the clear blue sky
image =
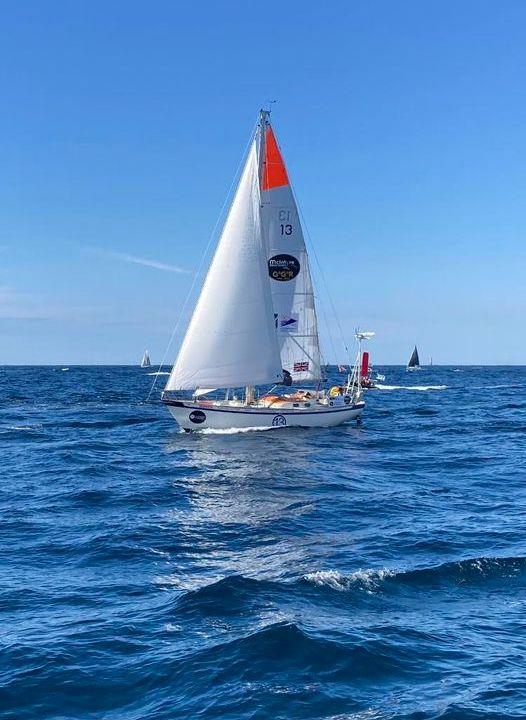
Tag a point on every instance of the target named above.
point(402, 124)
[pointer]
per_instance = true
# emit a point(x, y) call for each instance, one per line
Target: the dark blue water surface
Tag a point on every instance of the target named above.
point(355, 572)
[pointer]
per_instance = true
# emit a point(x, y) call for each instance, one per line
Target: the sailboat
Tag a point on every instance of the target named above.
point(145, 362)
point(414, 361)
point(255, 322)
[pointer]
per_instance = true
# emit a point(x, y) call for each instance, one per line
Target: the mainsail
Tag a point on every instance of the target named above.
point(145, 362)
point(231, 340)
point(414, 360)
point(288, 265)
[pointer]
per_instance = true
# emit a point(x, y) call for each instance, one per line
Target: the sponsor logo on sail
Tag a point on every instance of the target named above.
point(279, 421)
point(286, 323)
point(283, 267)
point(197, 417)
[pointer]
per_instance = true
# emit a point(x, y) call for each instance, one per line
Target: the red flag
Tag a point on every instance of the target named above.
point(365, 364)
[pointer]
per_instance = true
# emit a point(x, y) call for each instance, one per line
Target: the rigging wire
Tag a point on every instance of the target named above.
point(202, 260)
point(325, 283)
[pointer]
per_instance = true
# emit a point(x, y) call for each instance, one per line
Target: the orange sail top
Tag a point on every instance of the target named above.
point(274, 171)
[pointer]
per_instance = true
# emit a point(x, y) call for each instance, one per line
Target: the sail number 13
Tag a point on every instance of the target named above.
point(283, 219)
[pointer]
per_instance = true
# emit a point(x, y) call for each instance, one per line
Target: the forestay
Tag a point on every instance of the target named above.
point(288, 267)
point(231, 340)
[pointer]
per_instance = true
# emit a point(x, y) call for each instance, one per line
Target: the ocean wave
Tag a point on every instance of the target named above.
point(422, 388)
point(107, 424)
point(228, 431)
point(468, 571)
point(509, 386)
point(366, 579)
point(158, 372)
point(233, 588)
point(24, 428)
point(461, 572)
point(226, 596)
point(300, 652)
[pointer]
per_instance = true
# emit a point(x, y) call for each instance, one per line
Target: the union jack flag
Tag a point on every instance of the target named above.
point(301, 367)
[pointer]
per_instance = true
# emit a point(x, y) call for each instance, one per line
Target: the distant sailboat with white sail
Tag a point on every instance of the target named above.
point(414, 361)
point(145, 362)
point(255, 320)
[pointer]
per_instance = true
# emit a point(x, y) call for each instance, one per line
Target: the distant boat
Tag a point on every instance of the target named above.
point(431, 361)
point(145, 362)
point(414, 361)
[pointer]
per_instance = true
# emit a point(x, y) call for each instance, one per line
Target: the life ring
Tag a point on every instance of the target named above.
point(335, 391)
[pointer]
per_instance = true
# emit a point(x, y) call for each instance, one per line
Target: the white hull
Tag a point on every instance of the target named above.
point(198, 416)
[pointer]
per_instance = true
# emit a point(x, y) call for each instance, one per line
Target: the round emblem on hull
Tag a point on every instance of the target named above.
point(197, 417)
point(279, 421)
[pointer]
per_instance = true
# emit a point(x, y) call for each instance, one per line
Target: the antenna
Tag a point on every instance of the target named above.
point(363, 335)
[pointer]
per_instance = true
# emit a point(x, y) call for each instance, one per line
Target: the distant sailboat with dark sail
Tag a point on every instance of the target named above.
point(145, 362)
point(414, 361)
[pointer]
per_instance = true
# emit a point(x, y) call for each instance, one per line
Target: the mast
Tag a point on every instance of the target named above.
point(263, 120)
point(264, 116)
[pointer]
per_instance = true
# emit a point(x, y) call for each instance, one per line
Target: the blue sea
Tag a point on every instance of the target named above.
point(367, 572)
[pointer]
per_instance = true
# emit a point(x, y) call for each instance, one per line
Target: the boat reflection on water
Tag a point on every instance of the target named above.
point(246, 503)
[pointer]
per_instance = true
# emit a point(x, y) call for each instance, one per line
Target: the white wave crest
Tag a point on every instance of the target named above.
point(171, 627)
point(229, 431)
point(36, 426)
point(158, 372)
point(422, 388)
point(369, 579)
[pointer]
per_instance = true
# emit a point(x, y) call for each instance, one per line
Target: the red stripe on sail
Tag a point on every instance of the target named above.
point(274, 171)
